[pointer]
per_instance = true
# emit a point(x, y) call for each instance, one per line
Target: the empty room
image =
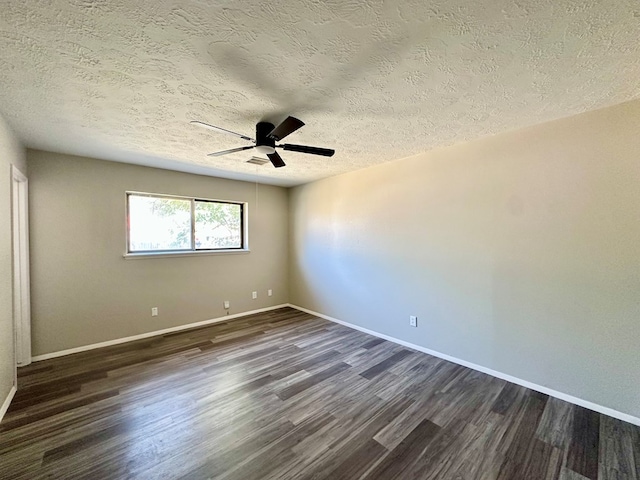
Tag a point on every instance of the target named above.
point(375, 240)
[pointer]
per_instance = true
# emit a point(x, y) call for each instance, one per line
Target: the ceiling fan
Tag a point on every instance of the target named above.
point(267, 135)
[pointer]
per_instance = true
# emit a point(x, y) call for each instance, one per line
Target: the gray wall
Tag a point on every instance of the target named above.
point(82, 289)
point(519, 252)
point(11, 152)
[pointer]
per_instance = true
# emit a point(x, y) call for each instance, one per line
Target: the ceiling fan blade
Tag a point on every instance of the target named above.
point(276, 160)
point(289, 125)
point(223, 130)
point(326, 152)
point(233, 150)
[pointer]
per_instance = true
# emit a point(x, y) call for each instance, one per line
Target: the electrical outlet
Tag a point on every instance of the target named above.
point(154, 311)
point(413, 321)
point(270, 292)
point(226, 304)
point(254, 295)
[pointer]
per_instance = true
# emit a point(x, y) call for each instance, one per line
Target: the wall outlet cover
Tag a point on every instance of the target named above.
point(413, 321)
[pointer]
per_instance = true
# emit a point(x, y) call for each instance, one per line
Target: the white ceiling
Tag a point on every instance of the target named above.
point(376, 80)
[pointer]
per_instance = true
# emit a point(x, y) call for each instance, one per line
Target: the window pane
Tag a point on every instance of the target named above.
point(159, 224)
point(218, 225)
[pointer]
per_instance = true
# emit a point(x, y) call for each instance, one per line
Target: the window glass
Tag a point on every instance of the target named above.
point(163, 224)
point(159, 224)
point(218, 225)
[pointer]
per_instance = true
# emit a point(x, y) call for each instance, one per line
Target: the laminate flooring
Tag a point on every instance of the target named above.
point(286, 395)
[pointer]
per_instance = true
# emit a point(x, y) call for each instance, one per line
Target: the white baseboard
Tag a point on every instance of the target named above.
point(7, 402)
point(538, 388)
point(155, 333)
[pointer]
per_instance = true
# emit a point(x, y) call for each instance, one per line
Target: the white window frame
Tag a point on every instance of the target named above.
point(244, 248)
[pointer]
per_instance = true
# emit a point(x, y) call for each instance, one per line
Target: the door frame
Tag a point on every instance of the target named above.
point(21, 282)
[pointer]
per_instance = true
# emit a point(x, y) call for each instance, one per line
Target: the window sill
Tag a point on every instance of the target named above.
point(130, 256)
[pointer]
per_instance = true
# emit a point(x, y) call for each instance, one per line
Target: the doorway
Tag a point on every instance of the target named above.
point(21, 295)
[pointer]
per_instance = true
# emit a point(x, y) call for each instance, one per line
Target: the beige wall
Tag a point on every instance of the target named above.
point(84, 291)
point(519, 253)
point(11, 153)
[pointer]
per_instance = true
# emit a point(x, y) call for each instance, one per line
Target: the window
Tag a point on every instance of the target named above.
point(163, 223)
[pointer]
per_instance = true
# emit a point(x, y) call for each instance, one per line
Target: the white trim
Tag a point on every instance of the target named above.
point(20, 270)
point(7, 402)
point(155, 333)
point(524, 383)
point(186, 253)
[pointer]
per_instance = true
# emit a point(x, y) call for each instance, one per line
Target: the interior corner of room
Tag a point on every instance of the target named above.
point(518, 253)
point(482, 206)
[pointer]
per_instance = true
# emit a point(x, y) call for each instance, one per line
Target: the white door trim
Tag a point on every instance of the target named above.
point(21, 285)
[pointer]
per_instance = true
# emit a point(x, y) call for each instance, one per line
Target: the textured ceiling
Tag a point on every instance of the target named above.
point(376, 80)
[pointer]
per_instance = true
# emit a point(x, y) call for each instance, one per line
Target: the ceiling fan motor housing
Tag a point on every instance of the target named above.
point(264, 143)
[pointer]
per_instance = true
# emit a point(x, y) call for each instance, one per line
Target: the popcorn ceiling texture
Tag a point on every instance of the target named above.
point(377, 81)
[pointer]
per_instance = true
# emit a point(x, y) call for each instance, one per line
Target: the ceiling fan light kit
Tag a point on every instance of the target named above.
point(267, 135)
point(265, 143)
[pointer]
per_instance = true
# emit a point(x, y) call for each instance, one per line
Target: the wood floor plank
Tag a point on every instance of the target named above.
point(286, 395)
point(568, 474)
point(402, 457)
point(363, 459)
point(365, 420)
point(482, 455)
point(518, 456)
point(301, 386)
point(401, 426)
point(385, 364)
point(44, 414)
point(582, 456)
point(506, 398)
point(618, 450)
point(261, 465)
point(226, 460)
point(470, 398)
point(372, 343)
point(555, 425)
point(544, 462)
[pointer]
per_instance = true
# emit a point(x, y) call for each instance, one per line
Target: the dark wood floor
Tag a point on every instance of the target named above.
point(283, 395)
